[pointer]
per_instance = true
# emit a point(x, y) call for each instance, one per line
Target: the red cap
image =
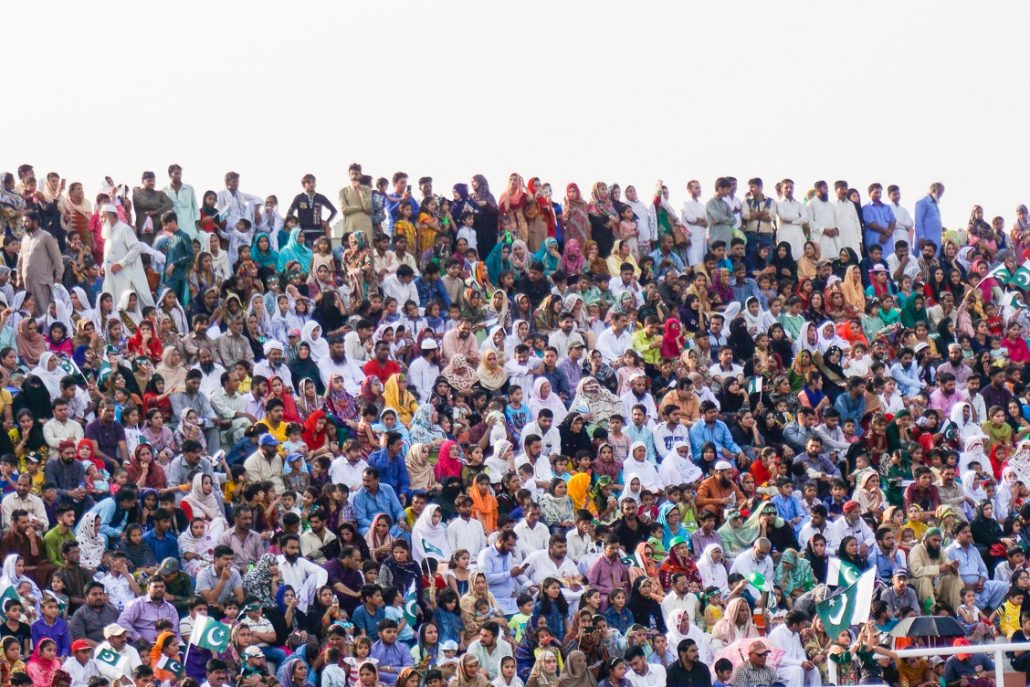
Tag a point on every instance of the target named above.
point(851, 506)
point(80, 645)
point(961, 641)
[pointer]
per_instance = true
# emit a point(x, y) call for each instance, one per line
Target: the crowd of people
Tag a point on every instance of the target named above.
point(405, 438)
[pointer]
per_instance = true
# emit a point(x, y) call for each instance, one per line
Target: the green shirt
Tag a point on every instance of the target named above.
point(53, 540)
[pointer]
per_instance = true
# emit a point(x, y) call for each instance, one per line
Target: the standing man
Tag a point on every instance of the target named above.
point(719, 214)
point(792, 219)
point(849, 226)
point(39, 262)
point(822, 223)
point(123, 266)
point(307, 207)
point(356, 206)
point(234, 205)
point(184, 201)
point(928, 215)
point(695, 220)
point(904, 224)
point(879, 221)
point(757, 214)
point(149, 204)
point(180, 258)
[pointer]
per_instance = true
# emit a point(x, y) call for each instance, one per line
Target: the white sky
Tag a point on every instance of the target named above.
point(629, 92)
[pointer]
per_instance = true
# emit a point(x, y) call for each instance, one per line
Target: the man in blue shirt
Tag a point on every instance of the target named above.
point(971, 568)
point(664, 258)
point(710, 428)
point(366, 617)
point(928, 215)
point(389, 461)
point(374, 498)
point(159, 540)
point(851, 405)
point(879, 221)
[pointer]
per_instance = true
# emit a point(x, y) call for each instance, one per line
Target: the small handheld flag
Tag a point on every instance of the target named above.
point(210, 634)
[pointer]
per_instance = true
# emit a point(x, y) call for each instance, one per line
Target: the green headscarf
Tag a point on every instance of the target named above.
point(799, 576)
point(735, 540)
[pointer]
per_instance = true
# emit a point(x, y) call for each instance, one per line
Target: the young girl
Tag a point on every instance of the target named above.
point(628, 231)
point(448, 617)
point(507, 678)
point(972, 619)
point(713, 607)
point(362, 649)
point(458, 572)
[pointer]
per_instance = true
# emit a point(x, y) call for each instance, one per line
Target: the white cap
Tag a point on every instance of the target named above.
point(109, 207)
point(428, 344)
point(723, 465)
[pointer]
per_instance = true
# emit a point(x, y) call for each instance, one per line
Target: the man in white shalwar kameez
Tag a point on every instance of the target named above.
point(849, 226)
point(795, 670)
point(123, 266)
point(693, 216)
point(822, 224)
point(791, 217)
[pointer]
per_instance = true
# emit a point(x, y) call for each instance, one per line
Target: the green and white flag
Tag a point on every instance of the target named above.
point(112, 659)
point(170, 664)
point(754, 385)
point(9, 594)
point(1021, 278)
point(848, 607)
point(841, 573)
point(411, 605)
point(210, 634)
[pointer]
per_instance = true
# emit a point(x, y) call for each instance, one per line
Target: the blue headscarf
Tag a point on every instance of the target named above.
point(667, 533)
point(549, 261)
point(295, 251)
point(268, 258)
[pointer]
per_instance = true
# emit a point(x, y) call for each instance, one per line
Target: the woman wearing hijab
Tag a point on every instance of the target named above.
point(91, 542)
point(399, 399)
point(712, 568)
point(498, 261)
point(30, 343)
point(490, 375)
point(311, 334)
point(429, 536)
point(576, 217)
point(914, 311)
point(793, 572)
point(144, 471)
point(205, 504)
point(784, 263)
point(447, 463)
point(595, 403)
point(295, 252)
point(424, 427)
point(549, 256)
point(646, 611)
point(603, 218)
point(573, 261)
point(484, 503)
point(576, 672)
point(172, 371)
point(574, 437)
point(459, 374)
point(304, 367)
point(542, 396)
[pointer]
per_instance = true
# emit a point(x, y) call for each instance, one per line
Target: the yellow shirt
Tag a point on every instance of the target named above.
point(278, 432)
point(1009, 617)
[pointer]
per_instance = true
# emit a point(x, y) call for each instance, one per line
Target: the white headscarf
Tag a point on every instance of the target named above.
point(51, 378)
point(974, 450)
point(677, 469)
point(204, 505)
point(645, 469)
point(1003, 494)
point(552, 402)
point(91, 543)
point(704, 648)
point(512, 340)
point(11, 578)
point(802, 343)
point(827, 342)
point(429, 540)
point(713, 574)
point(319, 347)
point(627, 491)
point(123, 307)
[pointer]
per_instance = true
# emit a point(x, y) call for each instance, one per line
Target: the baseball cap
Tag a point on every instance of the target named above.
point(878, 268)
point(113, 630)
point(723, 465)
point(293, 332)
point(296, 455)
point(80, 645)
point(168, 566)
point(449, 645)
point(758, 648)
point(900, 572)
point(269, 440)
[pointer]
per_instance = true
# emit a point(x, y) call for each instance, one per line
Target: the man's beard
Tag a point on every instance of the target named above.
point(207, 368)
point(338, 359)
point(292, 558)
point(725, 482)
point(933, 551)
point(464, 335)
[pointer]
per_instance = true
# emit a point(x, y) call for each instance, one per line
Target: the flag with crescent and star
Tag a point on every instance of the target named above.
point(210, 634)
point(848, 607)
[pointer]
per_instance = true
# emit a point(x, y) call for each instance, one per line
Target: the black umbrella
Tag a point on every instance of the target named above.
point(928, 626)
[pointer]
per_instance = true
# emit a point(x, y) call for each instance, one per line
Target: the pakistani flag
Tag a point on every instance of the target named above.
point(849, 607)
point(428, 548)
point(411, 605)
point(1021, 279)
point(210, 634)
point(170, 664)
point(754, 385)
point(10, 594)
point(841, 573)
point(111, 659)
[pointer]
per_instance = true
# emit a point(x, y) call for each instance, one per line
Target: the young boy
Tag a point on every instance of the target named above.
point(516, 414)
point(517, 624)
point(838, 496)
point(723, 673)
point(1015, 559)
point(393, 656)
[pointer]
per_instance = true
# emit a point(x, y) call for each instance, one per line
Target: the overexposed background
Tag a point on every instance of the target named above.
point(896, 92)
